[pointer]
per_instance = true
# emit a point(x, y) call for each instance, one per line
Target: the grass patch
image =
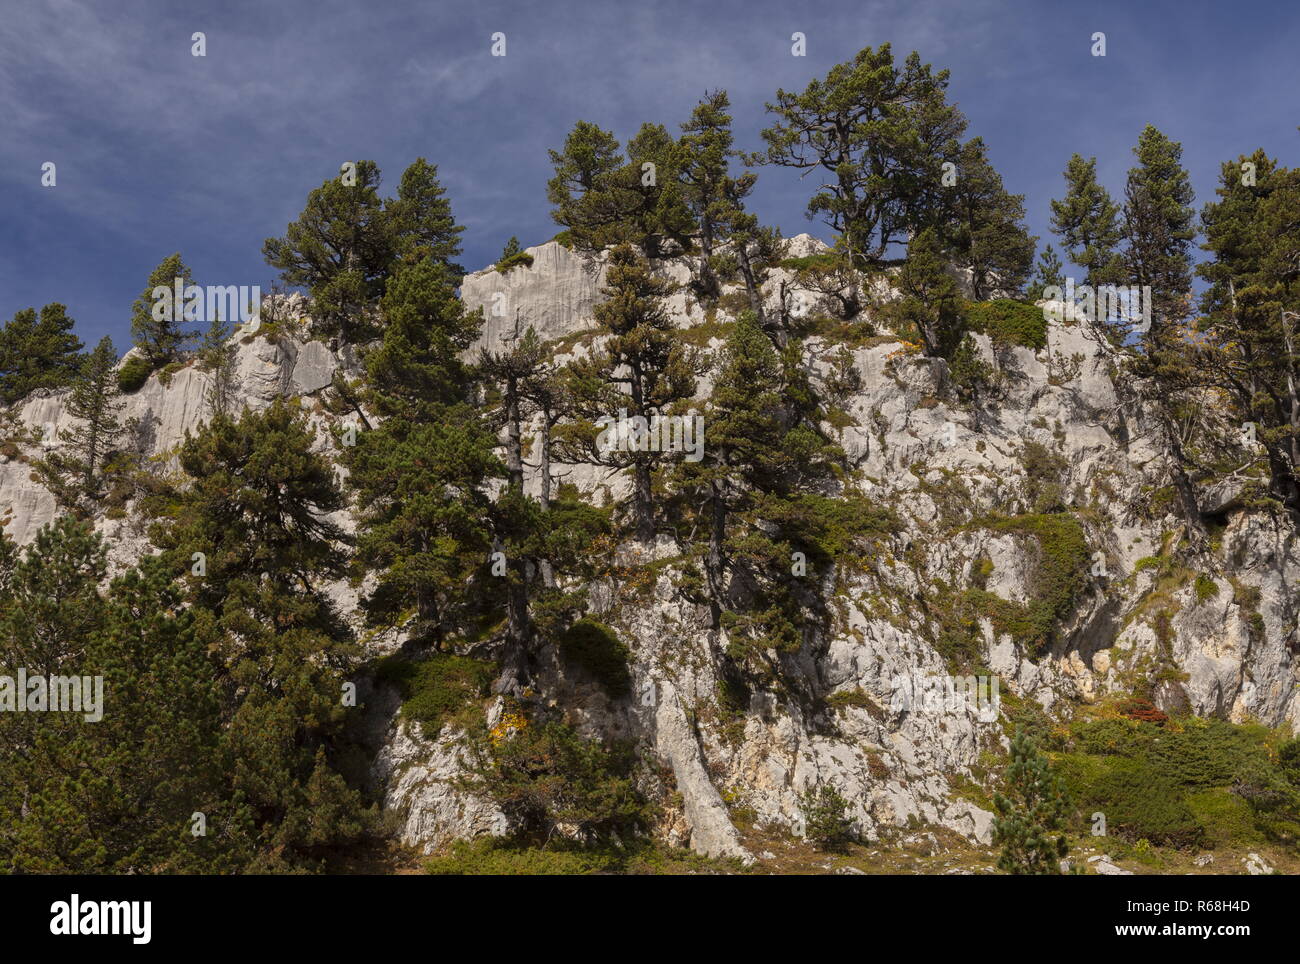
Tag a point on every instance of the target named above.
point(505, 857)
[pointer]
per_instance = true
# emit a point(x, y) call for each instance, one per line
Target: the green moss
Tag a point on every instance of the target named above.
point(597, 650)
point(1009, 322)
point(1206, 588)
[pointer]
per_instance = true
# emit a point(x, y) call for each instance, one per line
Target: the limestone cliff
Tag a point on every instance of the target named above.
point(1057, 420)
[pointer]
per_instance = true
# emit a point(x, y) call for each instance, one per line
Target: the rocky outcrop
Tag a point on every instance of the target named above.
point(1056, 418)
point(555, 295)
point(158, 414)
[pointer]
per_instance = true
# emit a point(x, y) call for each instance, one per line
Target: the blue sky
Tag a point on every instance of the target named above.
point(159, 151)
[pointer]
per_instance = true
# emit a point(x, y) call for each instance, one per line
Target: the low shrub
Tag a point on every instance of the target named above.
point(544, 776)
point(132, 375)
point(498, 856)
point(1142, 711)
point(1226, 818)
point(1141, 802)
point(1206, 588)
point(166, 373)
point(1059, 579)
point(1207, 753)
point(490, 856)
point(435, 690)
point(1008, 322)
point(520, 259)
point(1126, 737)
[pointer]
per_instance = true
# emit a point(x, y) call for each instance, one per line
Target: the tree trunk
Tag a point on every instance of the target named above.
point(514, 445)
point(713, 560)
point(642, 493)
point(751, 283)
point(1182, 484)
point(544, 565)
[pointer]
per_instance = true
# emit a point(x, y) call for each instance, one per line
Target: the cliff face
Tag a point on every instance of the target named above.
point(1221, 637)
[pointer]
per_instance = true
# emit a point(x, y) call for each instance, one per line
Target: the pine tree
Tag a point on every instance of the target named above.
point(752, 447)
point(218, 356)
point(880, 135)
point(252, 531)
point(1032, 810)
point(985, 226)
point(759, 493)
point(655, 216)
point(930, 304)
point(37, 352)
point(341, 249)
point(157, 324)
point(51, 600)
point(731, 240)
point(643, 369)
point(712, 195)
point(639, 202)
point(590, 155)
point(426, 523)
point(1248, 349)
point(1159, 224)
point(76, 476)
point(421, 475)
point(82, 797)
point(1049, 272)
point(416, 370)
point(421, 218)
point(1087, 222)
point(756, 250)
point(516, 521)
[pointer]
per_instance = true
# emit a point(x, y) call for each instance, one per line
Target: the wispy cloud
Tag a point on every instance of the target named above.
point(159, 151)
